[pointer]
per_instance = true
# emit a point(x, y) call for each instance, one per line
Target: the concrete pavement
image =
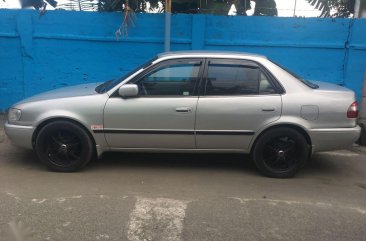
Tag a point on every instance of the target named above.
point(181, 197)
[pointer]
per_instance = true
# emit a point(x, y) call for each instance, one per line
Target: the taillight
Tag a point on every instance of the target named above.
point(352, 111)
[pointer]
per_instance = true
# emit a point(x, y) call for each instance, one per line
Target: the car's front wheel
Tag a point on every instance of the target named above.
point(64, 146)
point(280, 152)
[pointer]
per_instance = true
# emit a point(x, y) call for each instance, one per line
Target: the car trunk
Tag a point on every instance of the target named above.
point(335, 101)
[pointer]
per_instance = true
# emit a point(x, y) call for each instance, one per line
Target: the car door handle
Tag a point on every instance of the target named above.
point(183, 109)
point(268, 109)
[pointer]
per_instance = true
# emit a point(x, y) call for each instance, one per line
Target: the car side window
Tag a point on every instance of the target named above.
point(236, 79)
point(265, 86)
point(176, 78)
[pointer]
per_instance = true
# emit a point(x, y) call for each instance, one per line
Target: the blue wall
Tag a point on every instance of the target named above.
point(39, 53)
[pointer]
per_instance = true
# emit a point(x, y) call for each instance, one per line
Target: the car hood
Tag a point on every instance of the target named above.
point(65, 92)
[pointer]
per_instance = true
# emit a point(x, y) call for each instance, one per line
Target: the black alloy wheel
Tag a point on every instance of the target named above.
point(64, 146)
point(280, 152)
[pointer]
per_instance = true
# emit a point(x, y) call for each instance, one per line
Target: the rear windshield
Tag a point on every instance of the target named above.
point(304, 81)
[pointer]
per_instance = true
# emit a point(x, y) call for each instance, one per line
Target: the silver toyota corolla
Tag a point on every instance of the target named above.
point(190, 102)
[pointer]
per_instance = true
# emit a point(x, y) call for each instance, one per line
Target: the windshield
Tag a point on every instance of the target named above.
point(304, 81)
point(109, 84)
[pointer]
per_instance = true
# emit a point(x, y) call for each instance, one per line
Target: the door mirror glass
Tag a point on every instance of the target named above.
point(128, 90)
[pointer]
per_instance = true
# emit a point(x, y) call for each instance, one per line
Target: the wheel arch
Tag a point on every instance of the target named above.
point(47, 121)
point(298, 128)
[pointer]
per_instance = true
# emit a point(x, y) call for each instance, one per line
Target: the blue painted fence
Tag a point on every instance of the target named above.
point(61, 48)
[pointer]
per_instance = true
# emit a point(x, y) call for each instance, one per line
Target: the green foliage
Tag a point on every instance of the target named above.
point(334, 8)
point(117, 5)
point(222, 7)
point(328, 8)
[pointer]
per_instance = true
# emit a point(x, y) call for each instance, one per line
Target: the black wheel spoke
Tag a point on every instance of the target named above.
point(279, 153)
point(74, 144)
point(72, 139)
point(63, 148)
point(60, 137)
point(271, 148)
point(51, 148)
point(272, 158)
point(290, 146)
point(73, 155)
point(56, 140)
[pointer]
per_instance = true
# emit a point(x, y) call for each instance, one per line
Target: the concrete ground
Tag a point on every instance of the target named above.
point(174, 197)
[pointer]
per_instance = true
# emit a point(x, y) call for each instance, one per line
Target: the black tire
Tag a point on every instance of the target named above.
point(64, 146)
point(280, 152)
point(362, 139)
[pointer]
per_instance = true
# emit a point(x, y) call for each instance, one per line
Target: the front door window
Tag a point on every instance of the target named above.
point(174, 79)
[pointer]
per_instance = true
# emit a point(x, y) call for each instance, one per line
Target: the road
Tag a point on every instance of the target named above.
point(181, 197)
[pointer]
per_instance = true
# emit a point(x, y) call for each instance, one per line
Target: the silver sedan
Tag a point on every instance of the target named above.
point(190, 102)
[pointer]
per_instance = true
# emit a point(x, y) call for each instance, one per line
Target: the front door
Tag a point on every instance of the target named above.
point(163, 114)
point(239, 99)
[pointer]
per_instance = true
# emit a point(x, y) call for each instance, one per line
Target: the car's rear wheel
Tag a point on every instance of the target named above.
point(280, 152)
point(362, 139)
point(64, 146)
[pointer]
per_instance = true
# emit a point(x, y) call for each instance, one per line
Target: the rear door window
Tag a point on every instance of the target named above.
point(236, 78)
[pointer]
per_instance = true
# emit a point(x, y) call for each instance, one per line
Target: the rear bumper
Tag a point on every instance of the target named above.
point(20, 135)
point(334, 138)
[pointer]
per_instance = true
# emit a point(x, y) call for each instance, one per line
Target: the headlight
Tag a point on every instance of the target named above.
point(14, 114)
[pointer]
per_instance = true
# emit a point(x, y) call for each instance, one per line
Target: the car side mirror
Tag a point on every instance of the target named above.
point(128, 90)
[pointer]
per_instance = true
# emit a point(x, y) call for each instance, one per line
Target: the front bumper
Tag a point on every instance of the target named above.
point(20, 135)
point(334, 138)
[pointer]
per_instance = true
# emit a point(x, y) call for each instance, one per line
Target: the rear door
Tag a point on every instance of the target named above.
point(239, 98)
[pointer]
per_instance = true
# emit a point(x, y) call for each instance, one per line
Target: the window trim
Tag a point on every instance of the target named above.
point(245, 62)
point(163, 63)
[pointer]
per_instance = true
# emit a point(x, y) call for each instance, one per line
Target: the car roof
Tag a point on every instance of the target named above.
point(207, 53)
